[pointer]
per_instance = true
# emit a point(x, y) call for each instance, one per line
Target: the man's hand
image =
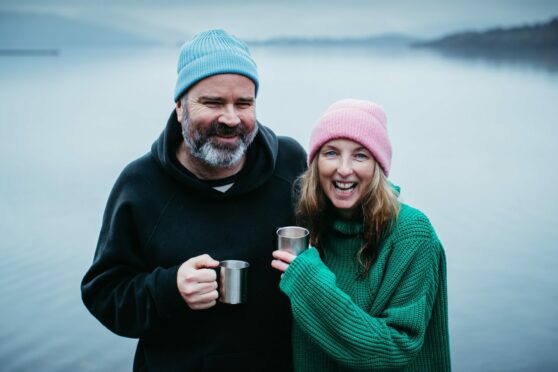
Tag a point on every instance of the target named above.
point(197, 282)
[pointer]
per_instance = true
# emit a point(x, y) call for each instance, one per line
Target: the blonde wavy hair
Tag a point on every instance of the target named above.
point(379, 211)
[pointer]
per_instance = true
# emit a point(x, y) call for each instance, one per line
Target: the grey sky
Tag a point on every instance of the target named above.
point(262, 19)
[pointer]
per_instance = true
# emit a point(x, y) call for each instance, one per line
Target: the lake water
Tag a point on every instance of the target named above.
point(475, 145)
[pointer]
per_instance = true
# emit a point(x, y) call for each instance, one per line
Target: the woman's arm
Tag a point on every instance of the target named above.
point(349, 334)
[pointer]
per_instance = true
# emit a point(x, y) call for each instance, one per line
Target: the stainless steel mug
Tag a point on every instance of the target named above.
point(233, 282)
point(293, 239)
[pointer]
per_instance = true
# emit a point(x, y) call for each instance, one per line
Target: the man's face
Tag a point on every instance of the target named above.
point(218, 118)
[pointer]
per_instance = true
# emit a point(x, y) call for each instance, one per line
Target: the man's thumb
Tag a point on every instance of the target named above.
point(203, 261)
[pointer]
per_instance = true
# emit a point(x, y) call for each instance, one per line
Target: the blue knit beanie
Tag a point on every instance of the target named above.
point(211, 53)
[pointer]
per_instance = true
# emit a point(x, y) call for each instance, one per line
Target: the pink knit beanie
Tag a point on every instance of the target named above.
point(357, 120)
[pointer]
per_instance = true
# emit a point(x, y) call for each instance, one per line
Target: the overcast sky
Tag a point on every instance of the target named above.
point(262, 19)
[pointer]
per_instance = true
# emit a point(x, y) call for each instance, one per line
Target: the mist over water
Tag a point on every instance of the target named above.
point(474, 148)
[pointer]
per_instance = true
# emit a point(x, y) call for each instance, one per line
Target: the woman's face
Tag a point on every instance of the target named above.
point(345, 169)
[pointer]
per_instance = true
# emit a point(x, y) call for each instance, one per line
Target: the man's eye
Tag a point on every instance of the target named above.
point(212, 103)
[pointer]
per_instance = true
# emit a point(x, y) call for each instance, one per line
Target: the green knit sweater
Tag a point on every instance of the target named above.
point(395, 319)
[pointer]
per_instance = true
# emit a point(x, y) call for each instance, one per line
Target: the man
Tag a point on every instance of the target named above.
point(215, 186)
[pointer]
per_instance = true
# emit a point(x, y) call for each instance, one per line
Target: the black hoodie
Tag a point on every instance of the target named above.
point(158, 215)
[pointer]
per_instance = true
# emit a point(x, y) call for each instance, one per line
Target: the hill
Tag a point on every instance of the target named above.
point(31, 31)
point(367, 41)
point(529, 38)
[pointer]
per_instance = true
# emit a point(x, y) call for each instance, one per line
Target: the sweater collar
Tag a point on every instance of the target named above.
point(347, 227)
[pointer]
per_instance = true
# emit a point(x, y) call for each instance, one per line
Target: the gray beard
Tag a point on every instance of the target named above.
point(212, 154)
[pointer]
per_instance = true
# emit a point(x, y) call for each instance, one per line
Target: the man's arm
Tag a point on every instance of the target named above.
point(127, 293)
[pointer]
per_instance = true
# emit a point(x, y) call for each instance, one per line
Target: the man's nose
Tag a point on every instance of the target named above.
point(229, 116)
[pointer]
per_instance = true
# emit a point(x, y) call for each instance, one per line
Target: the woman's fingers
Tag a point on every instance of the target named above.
point(283, 256)
point(279, 265)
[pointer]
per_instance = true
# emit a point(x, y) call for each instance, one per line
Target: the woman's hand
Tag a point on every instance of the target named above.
point(282, 260)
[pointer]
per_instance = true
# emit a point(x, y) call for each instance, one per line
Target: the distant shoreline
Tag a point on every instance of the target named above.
point(345, 42)
point(29, 52)
point(534, 39)
point(528, 39)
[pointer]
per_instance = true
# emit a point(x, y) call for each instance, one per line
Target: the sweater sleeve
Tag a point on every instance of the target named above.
point(350, 335)
point(120, 289)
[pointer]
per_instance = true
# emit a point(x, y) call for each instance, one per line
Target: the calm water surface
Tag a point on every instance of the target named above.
point(474, 148)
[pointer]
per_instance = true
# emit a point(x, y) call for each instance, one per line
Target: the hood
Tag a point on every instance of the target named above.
point(258, 168)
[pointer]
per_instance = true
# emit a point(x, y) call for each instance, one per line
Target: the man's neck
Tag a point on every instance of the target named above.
point(203, 171)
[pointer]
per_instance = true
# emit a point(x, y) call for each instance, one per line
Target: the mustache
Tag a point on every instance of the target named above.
point(218, 129)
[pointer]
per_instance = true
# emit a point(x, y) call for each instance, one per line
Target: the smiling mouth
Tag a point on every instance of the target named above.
point(233, 135)
point(344, 187)
point(229, 138)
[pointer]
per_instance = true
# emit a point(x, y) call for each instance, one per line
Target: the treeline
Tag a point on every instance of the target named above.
point(536, 37)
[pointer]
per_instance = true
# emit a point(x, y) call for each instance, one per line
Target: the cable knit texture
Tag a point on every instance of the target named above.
point(394, 319)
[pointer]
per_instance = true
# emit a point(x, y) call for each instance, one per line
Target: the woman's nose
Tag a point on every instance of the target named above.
point(345, 168)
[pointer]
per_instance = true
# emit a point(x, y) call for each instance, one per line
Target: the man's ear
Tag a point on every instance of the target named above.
point(179, 110)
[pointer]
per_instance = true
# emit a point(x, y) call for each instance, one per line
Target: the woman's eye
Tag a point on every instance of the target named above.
point(361, 156)
point(330, 153)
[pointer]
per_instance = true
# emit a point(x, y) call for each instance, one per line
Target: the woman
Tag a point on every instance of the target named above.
point(371, 292)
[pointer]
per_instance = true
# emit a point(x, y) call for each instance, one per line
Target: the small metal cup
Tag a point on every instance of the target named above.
point(233, 282)
point(293, 239)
